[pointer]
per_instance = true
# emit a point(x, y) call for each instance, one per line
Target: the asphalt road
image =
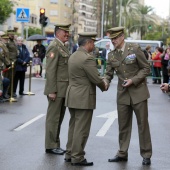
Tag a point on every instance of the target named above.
point(22, 129)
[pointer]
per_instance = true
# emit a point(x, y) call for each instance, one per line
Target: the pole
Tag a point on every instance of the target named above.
point(29, 92)
point(120, 16)
point(22, 30)
point(11, 99)
point(102, 23)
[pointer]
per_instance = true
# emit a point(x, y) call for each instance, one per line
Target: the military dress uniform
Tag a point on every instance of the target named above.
point(81, 100)
point(130, 63)
point(13, 54)
point(56, 82)
point(4, 61)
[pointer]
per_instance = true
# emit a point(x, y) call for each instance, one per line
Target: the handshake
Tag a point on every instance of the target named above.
point(165, 87)
point(106, 84)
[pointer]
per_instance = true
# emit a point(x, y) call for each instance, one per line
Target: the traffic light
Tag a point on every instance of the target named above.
point(43, 19)
point(149, 27)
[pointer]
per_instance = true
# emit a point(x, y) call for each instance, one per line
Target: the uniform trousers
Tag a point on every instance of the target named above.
point(78, 133)
point(19, 76)
point(54, 119)
point(125, 115)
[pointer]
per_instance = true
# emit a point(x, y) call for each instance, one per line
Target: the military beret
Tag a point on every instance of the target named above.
point(90, 35)
point(11, 32)
point(5, 36)
point(64, 27)
point(115, 31)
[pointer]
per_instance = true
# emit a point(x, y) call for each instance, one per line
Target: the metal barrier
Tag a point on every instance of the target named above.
point(101, 67)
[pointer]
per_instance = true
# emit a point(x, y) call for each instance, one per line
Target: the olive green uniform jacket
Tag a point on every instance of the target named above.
point(13, 50)
point(83, 78)
point(57, 69)
point(132, 64)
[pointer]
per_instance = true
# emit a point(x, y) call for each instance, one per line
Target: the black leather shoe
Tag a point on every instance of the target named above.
point(62, 149)
point(14, 95)
point(83, 163)
point(67, 160)
point(117, 159)
point(22, 94)
point(146, 161)
point(56, 151)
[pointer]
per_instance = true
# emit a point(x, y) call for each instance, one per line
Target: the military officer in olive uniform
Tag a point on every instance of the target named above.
point(13, 54)
point(132, 68)
point(81, 98)
point(4, 63)
point(56, 85)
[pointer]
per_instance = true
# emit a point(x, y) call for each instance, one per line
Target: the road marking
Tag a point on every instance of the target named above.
point(29, 122)
point(111, 118)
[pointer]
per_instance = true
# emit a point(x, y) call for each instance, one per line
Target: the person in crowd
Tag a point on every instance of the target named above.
point(36, 62)
point(13, 54)
point(132, 68)
point(21, 66)
point(81, 98)
point(164, 61)
point(104, 56)
point(5, 64)
point(75, 47)
point(157, 66)
point(39, 49)
point(55, 88)
point(147, 52)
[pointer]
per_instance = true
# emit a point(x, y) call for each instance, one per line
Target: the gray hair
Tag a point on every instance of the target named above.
point(20, 38)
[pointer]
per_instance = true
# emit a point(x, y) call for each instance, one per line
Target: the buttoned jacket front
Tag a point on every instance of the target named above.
point(57, 56)
point(132, 64)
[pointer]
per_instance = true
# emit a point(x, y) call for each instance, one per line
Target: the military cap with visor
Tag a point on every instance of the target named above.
point(11, 32)
point(5, 36)
point(64, 27)
point(115, 32)
point(88, 35)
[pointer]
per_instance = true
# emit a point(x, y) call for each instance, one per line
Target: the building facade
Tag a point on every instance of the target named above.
point(57, 11)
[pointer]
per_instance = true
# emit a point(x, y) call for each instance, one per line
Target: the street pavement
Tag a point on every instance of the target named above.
point(22, 133)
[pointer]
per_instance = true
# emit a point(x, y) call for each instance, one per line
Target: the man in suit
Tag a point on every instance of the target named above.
point(81, 98)
point(132, 68)
point(55, 87)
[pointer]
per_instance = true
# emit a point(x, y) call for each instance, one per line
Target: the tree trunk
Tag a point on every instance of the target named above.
point(99, 18)
point(114, 13)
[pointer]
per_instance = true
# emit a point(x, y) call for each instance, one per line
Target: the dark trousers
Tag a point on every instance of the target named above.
point(41, 67)
point(6, 83)
point(157, 71)
point(19, 76)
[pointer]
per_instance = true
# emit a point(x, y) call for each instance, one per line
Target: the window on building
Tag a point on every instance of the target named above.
point(54, 1)
point(53, 12)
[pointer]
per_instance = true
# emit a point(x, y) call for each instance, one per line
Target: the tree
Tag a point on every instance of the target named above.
point(32, 31)
point(99, 16)
point(6, 8)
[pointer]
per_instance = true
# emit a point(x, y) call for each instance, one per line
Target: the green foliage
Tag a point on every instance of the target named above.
point(6, 8)
point(32, 31)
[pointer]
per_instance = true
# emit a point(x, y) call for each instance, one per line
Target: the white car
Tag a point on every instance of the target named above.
point(101, 44)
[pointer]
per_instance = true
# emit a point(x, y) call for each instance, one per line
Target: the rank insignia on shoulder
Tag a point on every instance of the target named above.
point(51, 55)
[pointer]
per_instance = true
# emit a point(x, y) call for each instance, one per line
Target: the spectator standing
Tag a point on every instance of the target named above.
point(36, 62)
point(157, 66)
point(104, 56)
point(164, 60)
point(75, 47)
point(21, 66)
point(39, 49)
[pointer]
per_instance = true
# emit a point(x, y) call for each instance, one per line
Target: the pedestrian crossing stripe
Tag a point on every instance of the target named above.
point(22, 14)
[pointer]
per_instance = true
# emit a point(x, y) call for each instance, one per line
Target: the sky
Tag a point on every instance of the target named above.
point(161, 7)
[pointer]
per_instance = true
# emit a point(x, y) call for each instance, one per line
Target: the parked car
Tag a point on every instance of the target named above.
point(101, 44)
